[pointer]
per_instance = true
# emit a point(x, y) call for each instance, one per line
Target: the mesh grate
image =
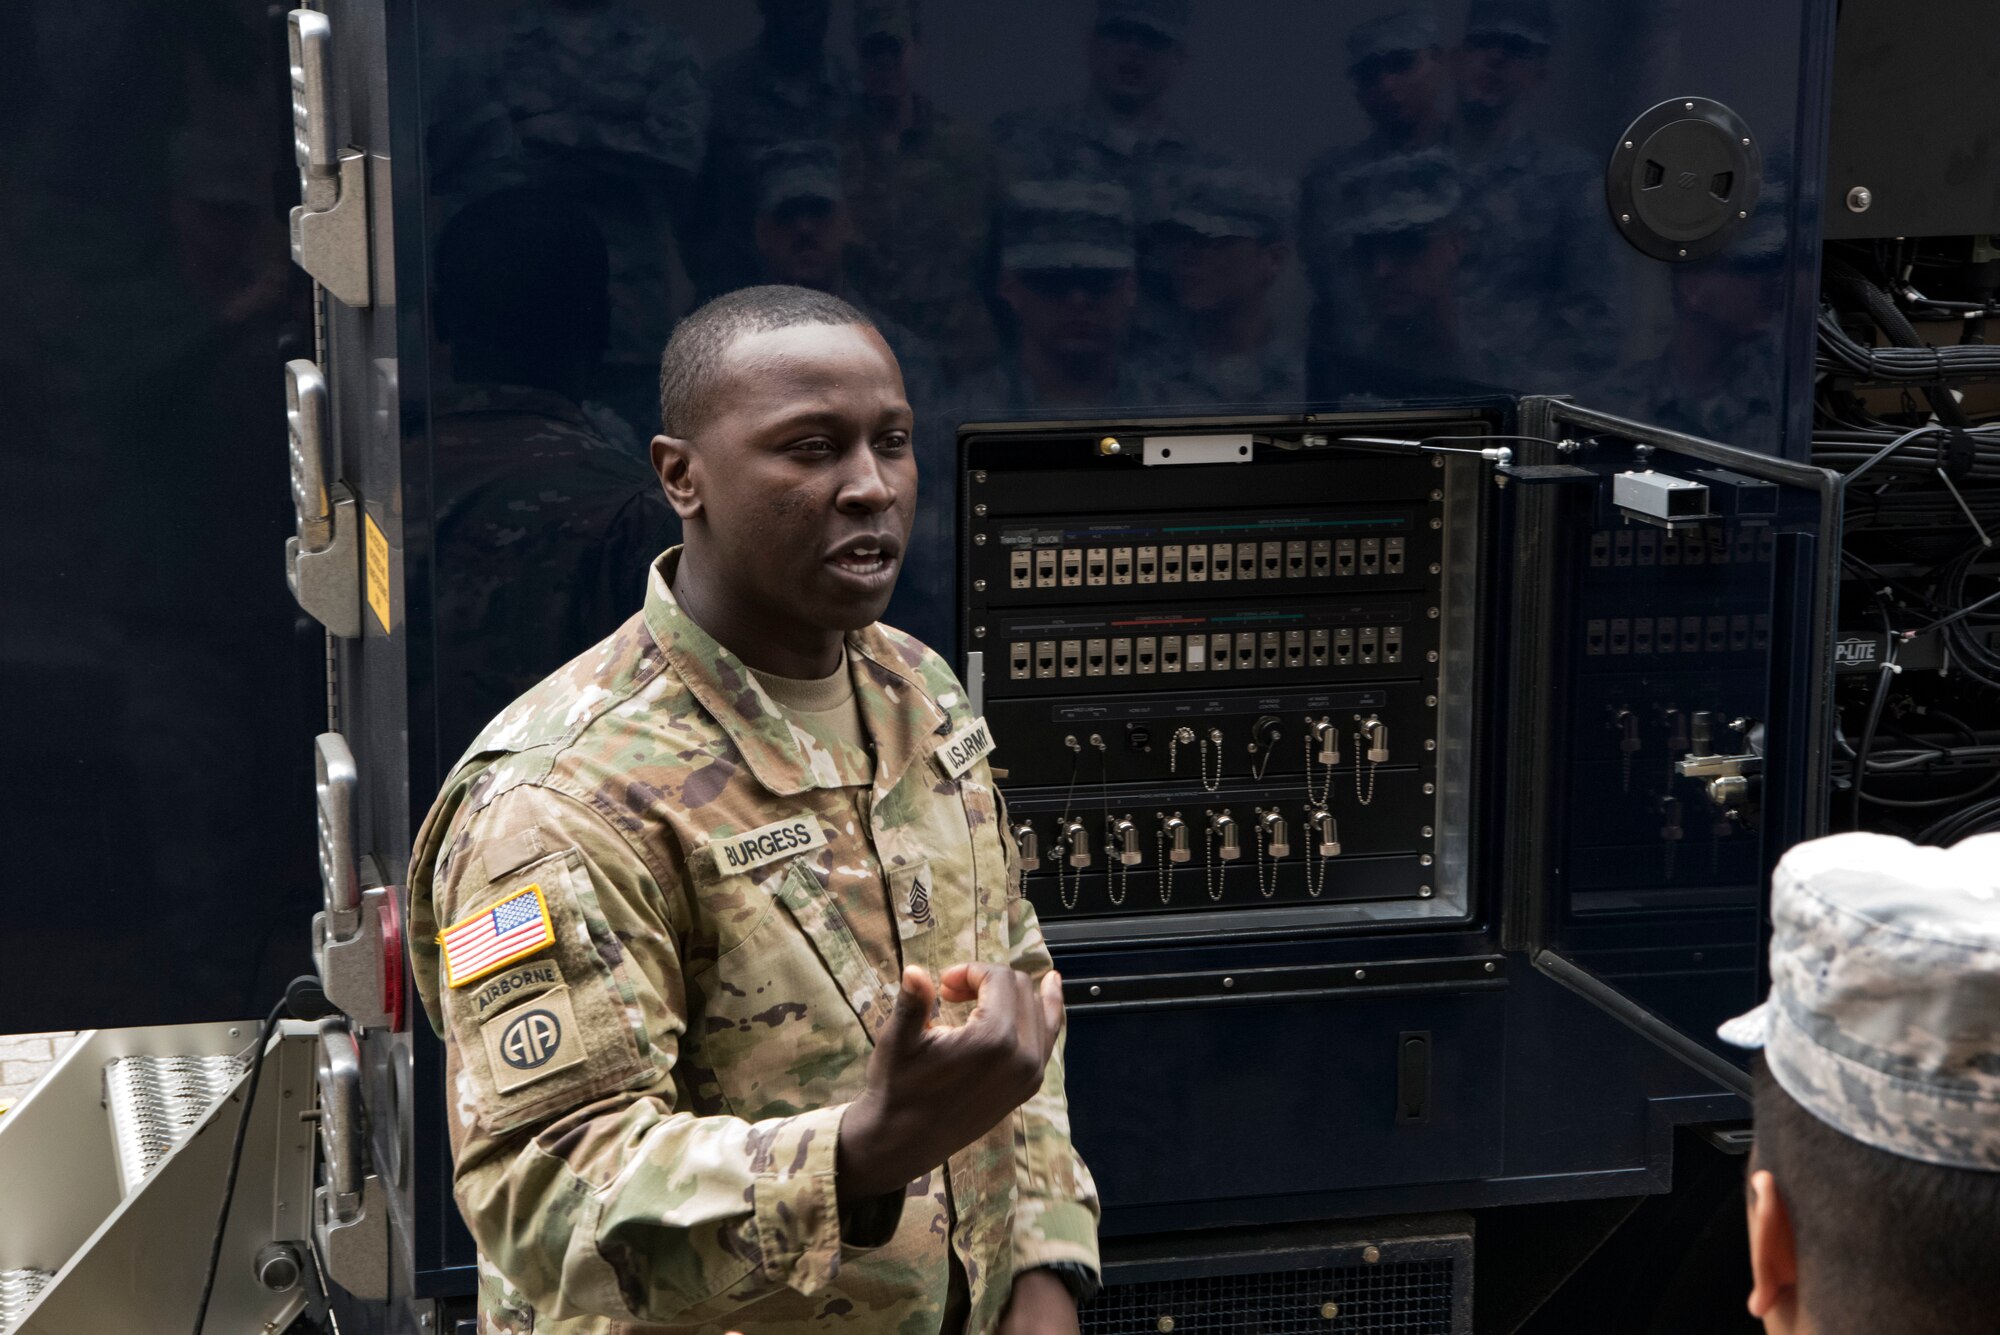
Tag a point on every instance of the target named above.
point(157, 1102)
point(17, 1294)
point(1393, 1298)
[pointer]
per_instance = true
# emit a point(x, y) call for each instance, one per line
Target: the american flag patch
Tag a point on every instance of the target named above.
point(496, 936)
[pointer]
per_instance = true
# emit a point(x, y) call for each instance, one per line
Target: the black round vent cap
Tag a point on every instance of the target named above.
point(1683, 178)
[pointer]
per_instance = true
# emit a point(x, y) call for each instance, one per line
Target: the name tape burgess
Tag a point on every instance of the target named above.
point(767, 843)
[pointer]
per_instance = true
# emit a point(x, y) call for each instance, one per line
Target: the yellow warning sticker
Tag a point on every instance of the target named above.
point(377, 556)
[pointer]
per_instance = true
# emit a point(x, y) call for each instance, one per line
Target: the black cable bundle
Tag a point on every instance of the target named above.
point(1841, 354)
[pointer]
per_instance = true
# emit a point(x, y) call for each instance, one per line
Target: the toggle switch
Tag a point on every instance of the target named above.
point(1277, 832)
point(1327, 829)
point(1377, 733)
point(1176, 831)
point(1124, 841)
point(1223, 825)
point(1328, 738)
point(1030, 845)
point(1077, 838)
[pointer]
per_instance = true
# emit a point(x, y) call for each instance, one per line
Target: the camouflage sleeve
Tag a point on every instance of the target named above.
point(583, 1179)
point(1055, 1216)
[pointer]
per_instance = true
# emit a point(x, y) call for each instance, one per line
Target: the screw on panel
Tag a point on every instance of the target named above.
point(979, 586)
point(1491, 966)
point(1423, 892)
point(978, 475)
point(1431, 656)
point(1859, 198)
point(1328, 1311)
point(1437, 461)
point(1436, 569)
point(1437, 494)
point(1360, 974)
point(1096, 991)
point(1437, 523)
point(1431, 700)
point(1164, 1325)
point(979, 632)
point(1628, 143)
point(1624, 217)
point(1688, 105)
point(1430, 788)
point(979, 539)
point(1371, 1254)
point(980, 510)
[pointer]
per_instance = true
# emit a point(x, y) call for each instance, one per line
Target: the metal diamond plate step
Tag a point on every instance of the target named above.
point(17, 1291)
point(156, 1103)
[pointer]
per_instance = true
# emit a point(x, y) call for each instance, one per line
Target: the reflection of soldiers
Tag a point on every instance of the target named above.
point(1068, 279)
point(598, 100)
point(1537, 267)
point(543, 528)
point(783, 87)
point(917, 188)
point(1120, 131)
point(1225, 246)
point(1401, 81)
point(1719, 375)
point(802, 233)
point(1403, 225)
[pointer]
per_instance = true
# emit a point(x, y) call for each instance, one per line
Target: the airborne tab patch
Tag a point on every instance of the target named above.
point(767, 843)
point(496, 936)
point(966, 748)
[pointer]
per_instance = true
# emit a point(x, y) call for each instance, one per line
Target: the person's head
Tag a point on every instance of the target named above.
point(1067, 270)
point(1874, 1189)
point(1397, 65)
point(543, 323)
point(1225, 242)
point(1136, 51)
point(801, 225)
point(785, 448)
point(1504, 57)
point(1401, 217)
point(886, 33)
point(795, 27)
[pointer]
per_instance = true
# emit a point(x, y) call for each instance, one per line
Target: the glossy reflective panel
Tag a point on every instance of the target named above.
point(1086, 208)
point(162, 688)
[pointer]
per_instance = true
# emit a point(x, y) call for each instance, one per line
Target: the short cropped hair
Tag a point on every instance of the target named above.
point(1885, 1243)
point(690, 364)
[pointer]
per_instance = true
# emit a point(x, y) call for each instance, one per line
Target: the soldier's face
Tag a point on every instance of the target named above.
point(1132, 66)
point(1221, 273)
point(800, 243)
point(798, 492)
point(1402, 91)
point(1496, 70)
point(1077, 316)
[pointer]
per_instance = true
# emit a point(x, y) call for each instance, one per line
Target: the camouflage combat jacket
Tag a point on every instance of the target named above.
point(645, 1101)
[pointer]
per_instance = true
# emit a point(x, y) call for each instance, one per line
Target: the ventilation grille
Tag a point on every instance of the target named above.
point(1389, 1298)
point(17, 1294)
point(157, 1102)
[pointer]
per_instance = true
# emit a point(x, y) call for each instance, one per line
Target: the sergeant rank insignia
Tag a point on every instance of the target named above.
point(496, 936)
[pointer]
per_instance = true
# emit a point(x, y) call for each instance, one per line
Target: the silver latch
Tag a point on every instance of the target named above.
point(330, 224)
point(350, 1211)
point(323, 563)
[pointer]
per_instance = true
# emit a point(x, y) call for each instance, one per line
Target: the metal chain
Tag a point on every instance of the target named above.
point(1215, 736)
point(1117, 875)
point(1182, 736)
point(1361, 751)
point(1166, 867)
point(1272, 888)
point(1070, 888)
point(1209, 876)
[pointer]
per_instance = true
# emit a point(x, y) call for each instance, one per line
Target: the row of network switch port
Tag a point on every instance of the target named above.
point(1202, 562)
point(1667, 635)
point(1702, 544)
point(1145, 655)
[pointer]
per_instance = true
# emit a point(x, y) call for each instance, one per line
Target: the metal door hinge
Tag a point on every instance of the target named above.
point(322, 563)
point(330, 224)
point(350, 1211)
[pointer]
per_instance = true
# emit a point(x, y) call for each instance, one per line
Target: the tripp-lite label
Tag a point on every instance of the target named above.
point(1856, 652)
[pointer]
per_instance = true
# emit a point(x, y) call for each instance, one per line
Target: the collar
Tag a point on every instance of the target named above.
point(904, 722)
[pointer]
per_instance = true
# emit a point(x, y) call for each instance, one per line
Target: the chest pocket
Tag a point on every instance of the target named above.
point(555, 1027)
point(780, 1029)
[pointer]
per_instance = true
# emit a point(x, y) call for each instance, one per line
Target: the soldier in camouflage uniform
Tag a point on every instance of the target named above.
point(919, 191)
point(1227, 244)
point(1874, 1191)
point(747, 1024)
point(1068, 277)
point(1538, 265)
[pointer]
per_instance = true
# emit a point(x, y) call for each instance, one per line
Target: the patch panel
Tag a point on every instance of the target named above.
point(1096, 567)
point(1371, 556)
point(1094, 658)
point(1170, 563)
point(1147, 564)
point(1197, 562)
point(1072, 567)
point(1045, 568)
point(1072, 658)
point(1020, 570)
point(1145, 652)
point(1121, 565)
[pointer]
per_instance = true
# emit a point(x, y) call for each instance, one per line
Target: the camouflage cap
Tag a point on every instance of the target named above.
point(1386, 34)
point(1527, 19)
point(797, 169)
point(1067, 224)
point(1403, 193)
point(1884, 1014)
point(1168, 18)
point(885, 18)
point(1227, 202)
